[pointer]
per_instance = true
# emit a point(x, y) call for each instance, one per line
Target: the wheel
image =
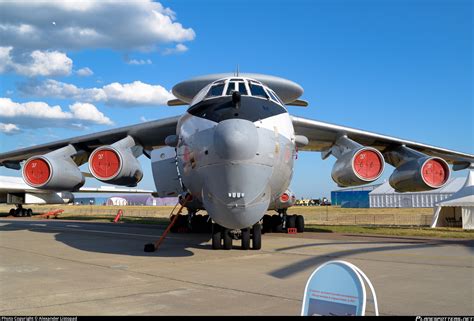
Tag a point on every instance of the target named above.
point(267, 224)
point(277, 224)
point(12, 212)
point(256, 237)
point(300, 223)
point(174, 228)
point(208, 224)
point(19, 212)
point(216, 237)
point(29, 212)
point(227, 238)
point(196, 224)
point(245, 239)
point(290, 221)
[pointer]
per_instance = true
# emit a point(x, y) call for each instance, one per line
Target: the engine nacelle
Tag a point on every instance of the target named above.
point(285, 200)
point(115, 164)
point(421, 174)
point(358, 166)
point(53, 171)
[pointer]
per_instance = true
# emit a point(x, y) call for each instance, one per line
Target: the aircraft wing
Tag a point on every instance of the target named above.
point(322, 136)
point(148, 135)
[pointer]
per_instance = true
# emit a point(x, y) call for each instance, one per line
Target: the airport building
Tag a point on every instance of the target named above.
point(353, 197)
point(385, 196)
point(146, 200)
point(123, 200)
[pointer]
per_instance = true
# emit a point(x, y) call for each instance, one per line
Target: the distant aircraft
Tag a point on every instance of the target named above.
point(232, 152)
point(13, 190)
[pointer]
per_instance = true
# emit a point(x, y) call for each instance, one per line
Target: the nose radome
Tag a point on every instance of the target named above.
point(236, 139)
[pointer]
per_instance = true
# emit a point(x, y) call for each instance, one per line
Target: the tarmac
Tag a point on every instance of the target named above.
point(54, 267)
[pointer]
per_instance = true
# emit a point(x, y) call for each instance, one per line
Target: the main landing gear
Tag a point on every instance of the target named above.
point(222, 238)
point(19, 211)
point(192, 223)
point(281, 222)
point(250, 237)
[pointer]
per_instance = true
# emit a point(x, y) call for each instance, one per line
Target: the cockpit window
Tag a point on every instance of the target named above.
point(257, 90)
point(242, 88)
point(246, 87)
point(274, 96)
point(216, 90)
point(230, 88)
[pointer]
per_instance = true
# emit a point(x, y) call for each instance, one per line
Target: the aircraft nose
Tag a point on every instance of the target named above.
point(236, 139)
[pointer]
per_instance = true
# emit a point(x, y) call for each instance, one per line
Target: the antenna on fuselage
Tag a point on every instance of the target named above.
point(237, 71)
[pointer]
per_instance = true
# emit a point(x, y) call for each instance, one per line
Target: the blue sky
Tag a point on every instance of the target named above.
point(401, 68)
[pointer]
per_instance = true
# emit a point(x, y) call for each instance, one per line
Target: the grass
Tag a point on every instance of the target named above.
point(124, 219)
point(447, 232)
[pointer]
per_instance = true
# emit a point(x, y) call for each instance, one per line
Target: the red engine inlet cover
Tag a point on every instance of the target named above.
point(105, 163)
point(36, 171)
point(434, 172)
point(284, 197)
point(368, 164)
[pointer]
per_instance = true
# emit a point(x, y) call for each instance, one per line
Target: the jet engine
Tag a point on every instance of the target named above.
point(420, 174)
point(285, 200)
point(117, 163)
point(356, 164)
point(54, 171)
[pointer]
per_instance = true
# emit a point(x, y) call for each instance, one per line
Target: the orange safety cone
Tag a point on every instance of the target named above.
point(118, 216)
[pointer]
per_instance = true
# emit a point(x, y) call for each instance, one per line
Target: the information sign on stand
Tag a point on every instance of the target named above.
point(337, 288)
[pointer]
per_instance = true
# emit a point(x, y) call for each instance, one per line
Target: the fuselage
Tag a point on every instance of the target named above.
point(236, 155)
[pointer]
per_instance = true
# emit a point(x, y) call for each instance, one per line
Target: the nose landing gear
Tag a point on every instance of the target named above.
point(250, 237)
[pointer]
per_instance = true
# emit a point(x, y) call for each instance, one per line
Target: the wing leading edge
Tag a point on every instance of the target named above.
point(322, 136)
point(149, 135)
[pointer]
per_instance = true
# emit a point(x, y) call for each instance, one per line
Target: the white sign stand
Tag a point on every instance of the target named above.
point(339, 288)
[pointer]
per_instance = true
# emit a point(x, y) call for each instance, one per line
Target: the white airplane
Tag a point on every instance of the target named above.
point(13, 190)
point(232, 153)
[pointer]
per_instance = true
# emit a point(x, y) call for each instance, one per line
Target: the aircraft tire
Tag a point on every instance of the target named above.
point(196, 224)
point(174, 228)
point(300, 223)
point(208, 224)
point(245, 239)
point(227, 238)
point(256, 237)
point(277, 225)
point(12, 212)
point(267, 224)
point(216, 237)
point(291, 221)
point(29, 212)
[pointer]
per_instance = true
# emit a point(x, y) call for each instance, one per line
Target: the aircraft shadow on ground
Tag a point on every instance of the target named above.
point(118, 240)
point(316, 260)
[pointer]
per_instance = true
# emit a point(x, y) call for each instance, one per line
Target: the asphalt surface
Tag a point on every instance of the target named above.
point(52, 267)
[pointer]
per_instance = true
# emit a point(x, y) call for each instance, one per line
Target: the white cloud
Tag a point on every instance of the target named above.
point(37, 114)
point(178, 49)
point(136, 93)
point(84, 72)
point(9, 129)
point(36, 63)
point(139, 62)
point(132, 94)
point(64, 25)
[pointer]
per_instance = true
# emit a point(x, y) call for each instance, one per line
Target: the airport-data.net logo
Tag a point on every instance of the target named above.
point(432, 318)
